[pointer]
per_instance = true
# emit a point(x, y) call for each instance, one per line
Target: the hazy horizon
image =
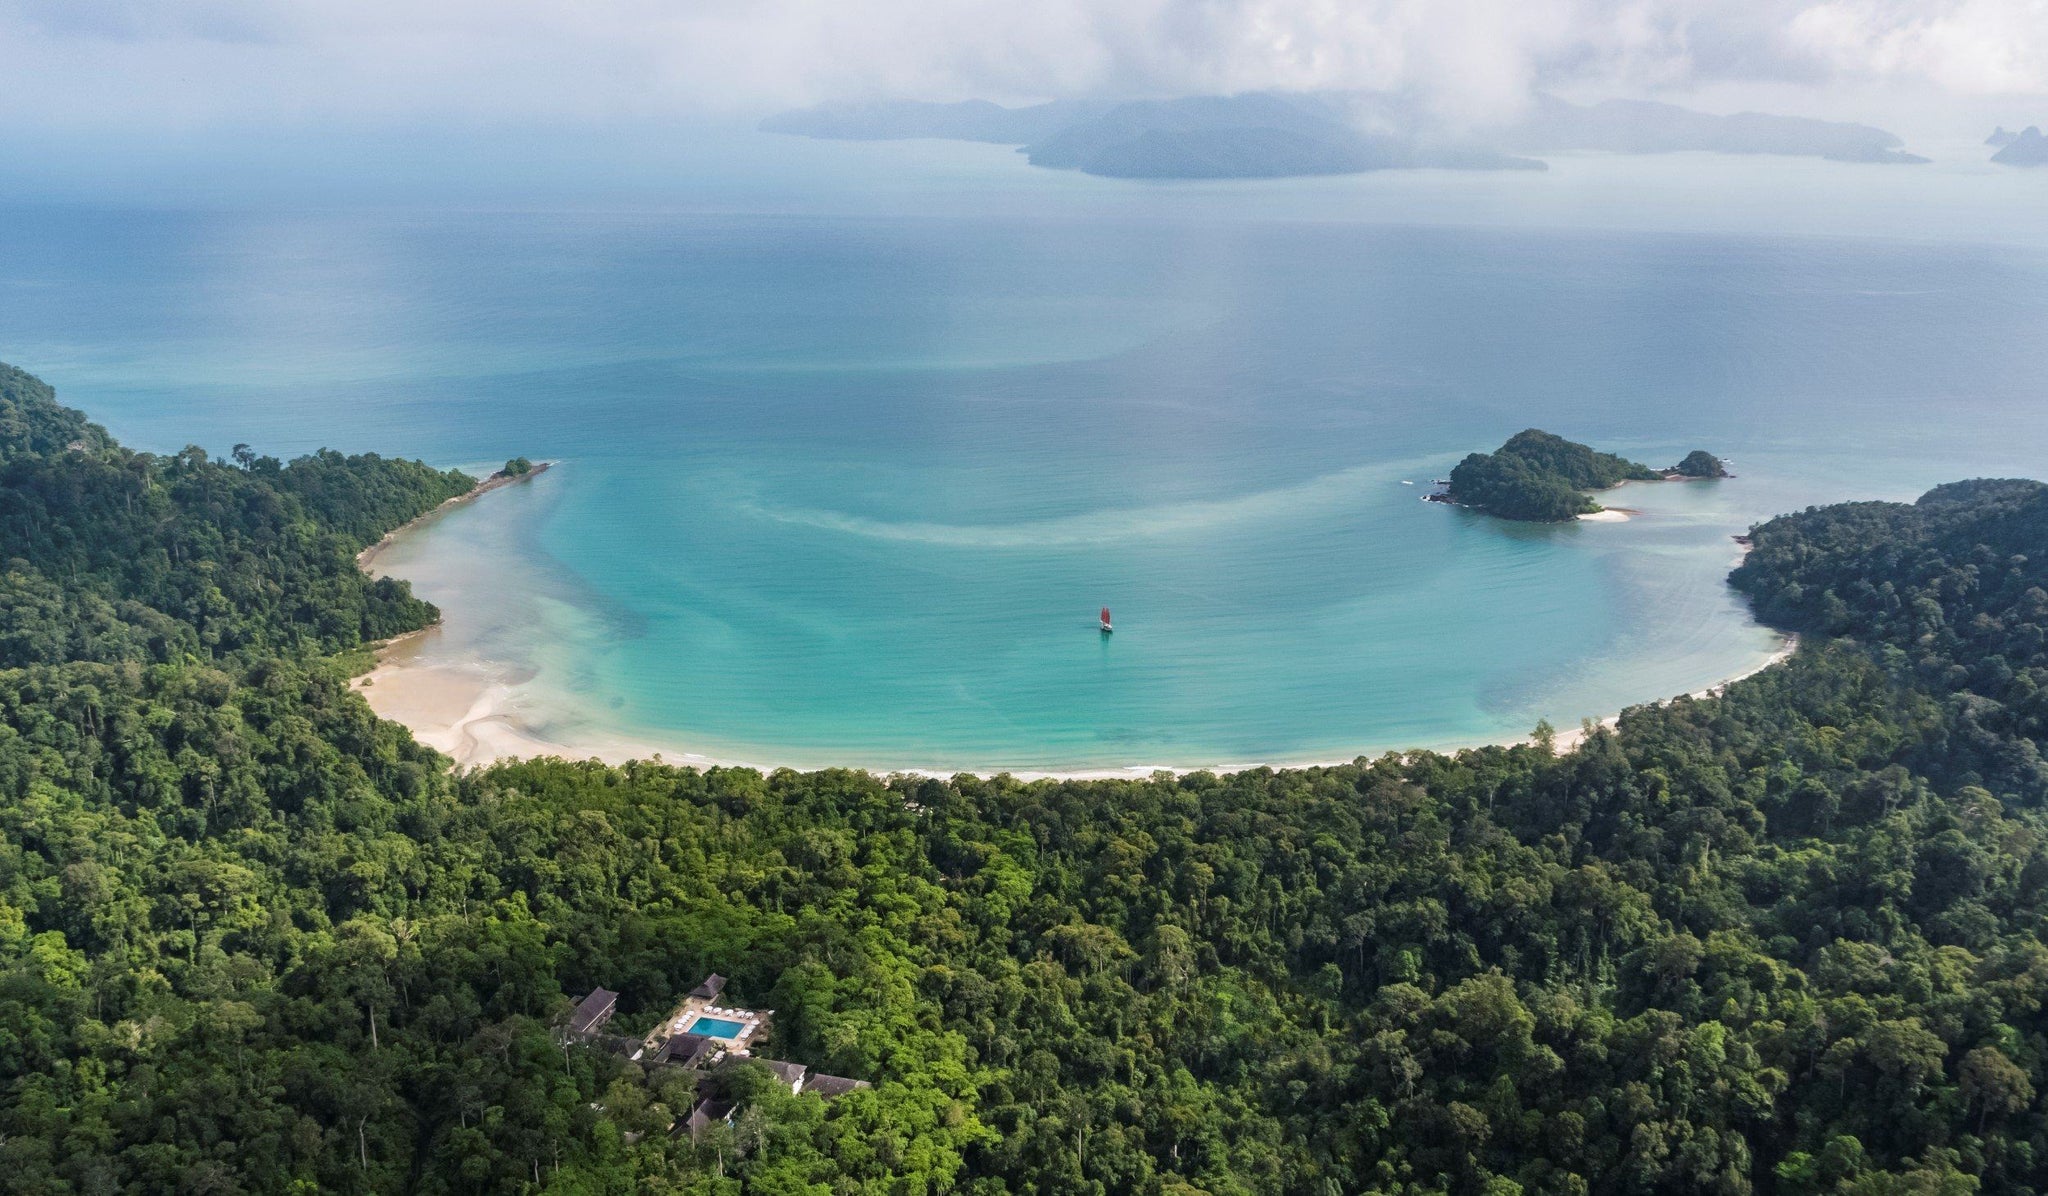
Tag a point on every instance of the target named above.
point(235, 101)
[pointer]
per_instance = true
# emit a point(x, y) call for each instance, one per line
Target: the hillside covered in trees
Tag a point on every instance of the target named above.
point(1788, 940)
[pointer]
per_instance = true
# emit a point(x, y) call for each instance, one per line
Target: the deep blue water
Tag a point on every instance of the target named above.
point(850, 488)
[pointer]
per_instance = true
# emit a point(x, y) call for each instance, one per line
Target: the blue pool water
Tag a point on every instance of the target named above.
point(849, 487)
point(716, 1027)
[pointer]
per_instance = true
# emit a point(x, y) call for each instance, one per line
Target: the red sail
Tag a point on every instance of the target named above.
point(1105, 614)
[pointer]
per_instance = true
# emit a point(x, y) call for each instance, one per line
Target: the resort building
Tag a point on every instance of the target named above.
point(700, 1035)
point(831, 1087)
point(593, 1011)
point(791, 1074)
point(708, 1113)
point(688, 1050)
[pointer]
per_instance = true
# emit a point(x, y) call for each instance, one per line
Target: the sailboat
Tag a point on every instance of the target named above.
point(1106, 628)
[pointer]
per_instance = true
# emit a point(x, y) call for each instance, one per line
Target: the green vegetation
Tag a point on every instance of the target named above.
point(254, 940)
point(1543, 478)
point(1540, 477)
point(115, 556)
point(517, 467)
point(1700, 463)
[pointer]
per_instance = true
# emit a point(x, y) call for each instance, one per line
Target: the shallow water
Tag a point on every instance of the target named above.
point(849, 488)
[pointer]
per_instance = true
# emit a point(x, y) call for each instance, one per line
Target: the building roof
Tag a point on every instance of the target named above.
point(831, 1086)
point(701, 1117)
point(791, 1074)
point(592, 1010)
point(712, 986)
point(685, 1050)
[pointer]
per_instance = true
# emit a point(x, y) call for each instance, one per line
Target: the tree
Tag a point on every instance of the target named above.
point(1994, 1084)
point(1700, 463)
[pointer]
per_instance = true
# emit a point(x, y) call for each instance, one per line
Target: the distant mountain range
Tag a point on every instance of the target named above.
point(2025, 148)
point(1248, 136)
point(1275, 135)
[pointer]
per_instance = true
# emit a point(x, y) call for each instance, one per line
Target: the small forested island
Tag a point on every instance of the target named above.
point(1543, 478)
point(1788, 939)
point(1700, 463)
point(2028, 147)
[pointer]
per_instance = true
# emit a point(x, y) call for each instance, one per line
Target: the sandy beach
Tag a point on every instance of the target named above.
point(477, 713)
point(1567, 740)
point(368, 556)
point(477, 720)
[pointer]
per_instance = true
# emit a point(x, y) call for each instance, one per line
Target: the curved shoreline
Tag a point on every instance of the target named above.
point(464, 710)
point(487, 728)
point(368, 556)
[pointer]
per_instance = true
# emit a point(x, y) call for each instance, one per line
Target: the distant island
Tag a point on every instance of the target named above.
point(2028, 147)
point(1640, 127)
point(1258, 135)
point(1248, 136)
point(1281, 135)
point(1540, 477)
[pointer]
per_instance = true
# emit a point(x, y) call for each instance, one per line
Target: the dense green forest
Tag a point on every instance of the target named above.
point(252, 939)
point(1543, 478)
point(1700, 463)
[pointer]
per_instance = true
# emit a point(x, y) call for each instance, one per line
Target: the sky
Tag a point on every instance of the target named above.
point(147, 80)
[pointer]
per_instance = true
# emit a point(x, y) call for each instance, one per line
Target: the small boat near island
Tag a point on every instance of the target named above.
point(1106, 628)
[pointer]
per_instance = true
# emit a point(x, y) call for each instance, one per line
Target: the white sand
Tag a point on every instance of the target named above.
point(1567, 740)
point(1607, 515)
point(477, 717)
point(477, 721)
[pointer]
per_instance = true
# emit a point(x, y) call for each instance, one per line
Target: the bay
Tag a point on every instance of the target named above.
point(845, 483)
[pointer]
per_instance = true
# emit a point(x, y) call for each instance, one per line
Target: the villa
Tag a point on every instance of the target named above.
point(593, 1011)
point(687, 1050)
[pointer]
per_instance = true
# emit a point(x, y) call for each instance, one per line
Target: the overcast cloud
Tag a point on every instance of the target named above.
point(203, 63)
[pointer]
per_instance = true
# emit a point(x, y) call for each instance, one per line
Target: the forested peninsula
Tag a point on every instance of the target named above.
point(252, 939)
point(1543, 478)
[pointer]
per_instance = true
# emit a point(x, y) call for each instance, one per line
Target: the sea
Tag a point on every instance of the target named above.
point(850, 448)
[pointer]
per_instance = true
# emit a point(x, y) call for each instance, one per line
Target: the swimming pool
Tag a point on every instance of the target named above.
point(717, 1027)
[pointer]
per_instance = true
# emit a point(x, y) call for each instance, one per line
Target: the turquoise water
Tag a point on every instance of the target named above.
point(849, 487)
point(716, 1027)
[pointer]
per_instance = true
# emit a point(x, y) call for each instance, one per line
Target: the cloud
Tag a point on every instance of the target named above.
point(199, 63)
point(1986, 47)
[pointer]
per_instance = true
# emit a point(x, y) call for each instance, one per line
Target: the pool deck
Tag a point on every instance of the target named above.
point(753, 1023)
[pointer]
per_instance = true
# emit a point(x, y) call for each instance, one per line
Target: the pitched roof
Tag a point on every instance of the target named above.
point(685, 1050)
point(592, 1010)
point(791, 1074)
point(707, 1111)
point(831, 1086)
point(712, 986)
